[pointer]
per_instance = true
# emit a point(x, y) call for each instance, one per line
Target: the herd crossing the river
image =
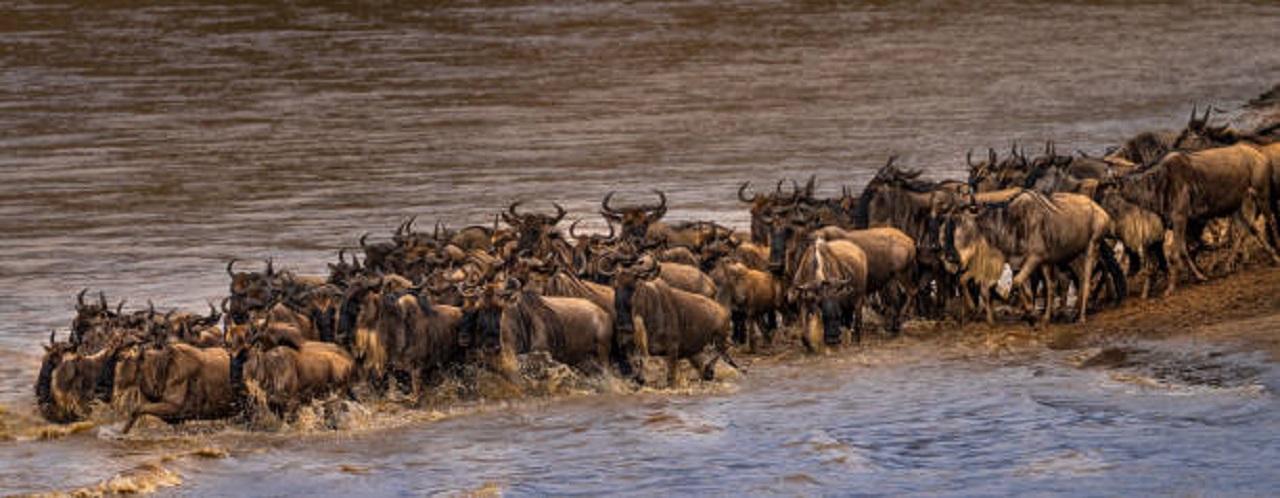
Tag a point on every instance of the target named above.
point(403, 312)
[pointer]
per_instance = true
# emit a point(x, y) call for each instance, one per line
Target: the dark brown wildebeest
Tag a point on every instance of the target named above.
point(656, 319)
point(977, 264)
point(96, 324)
point(177, 382)
point(1141, 232)
point(1038, 233)
point(830, 281)
point(536, 236)
point(394, 329)
point(753, 297)
point(250, 291)
point(509, 320)
point(900, 199)
point(760, 206)
point(891, 261)
point(69, 381)
point(634, 220)
point(1187, 188)
point(289, 377)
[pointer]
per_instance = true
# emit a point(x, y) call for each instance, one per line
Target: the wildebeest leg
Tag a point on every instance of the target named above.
point(168, 407)
point(739, 319)
point(985, 292)
point(1021, 282)
point(673, 366)
point(812, 332)
point(859, 302)
point(1243, 219)
point(1180, 246)
point(705, 365)
point(1086, 277)
point(1048, 273)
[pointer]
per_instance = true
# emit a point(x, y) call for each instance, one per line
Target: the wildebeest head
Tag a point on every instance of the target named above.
point(94, 321)
point(250, 291)
point(343, 271)
point(787, 222)
point(533, 231)
point(587, 247)
point(827, 299)
point(54, 353)
point(361, 296)
point(628, 271)
point(482, 306)
point(634, 220)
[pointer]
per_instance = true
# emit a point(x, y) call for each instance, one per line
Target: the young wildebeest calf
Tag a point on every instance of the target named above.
point(752, 297)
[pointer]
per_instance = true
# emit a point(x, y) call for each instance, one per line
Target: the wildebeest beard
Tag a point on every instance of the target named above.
point(484, 324)
point(348, 311)
point(238, 387)
point(106, 384)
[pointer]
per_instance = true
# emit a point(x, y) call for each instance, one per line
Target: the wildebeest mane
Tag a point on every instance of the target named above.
point(530, 313)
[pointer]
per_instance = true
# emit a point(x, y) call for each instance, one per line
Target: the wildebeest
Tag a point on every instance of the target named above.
point(510, 320)
point(891, 259)
point(394, 329)
point(177, 382)
point(1142, 234)
point(1195, 187)
point(753, 298)
point(69, 381)
point(290, 376)
point(634, 220)
point(654, 318)
point(830, 279)
point(1038, 233)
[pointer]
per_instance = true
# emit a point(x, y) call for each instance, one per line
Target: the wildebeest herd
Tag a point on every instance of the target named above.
point(402, 312)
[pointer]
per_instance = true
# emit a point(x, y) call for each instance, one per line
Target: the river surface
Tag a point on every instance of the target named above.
point(146, 143)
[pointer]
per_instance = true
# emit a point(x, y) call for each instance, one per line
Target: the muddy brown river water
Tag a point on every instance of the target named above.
point(146, 143)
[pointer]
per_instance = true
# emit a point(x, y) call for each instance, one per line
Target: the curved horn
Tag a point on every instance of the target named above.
point(80, 296)
point(607, 264)
point(271, 269)
point(604, 204)
point(572, 233)
point(777, 189)
point(1191, 121)
point(342, 255)
point(52, 334)
point(511, 210)
point(661, 208)
point(213, 312)
point(362, 238)
point(742, 190)
point(223, 305)
point(120, 306)
point(610, 223)
point(560, 212)
point(408, 225)
point(968, 159)
point(102, 299)
point(809, 185)
point(231, 263)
